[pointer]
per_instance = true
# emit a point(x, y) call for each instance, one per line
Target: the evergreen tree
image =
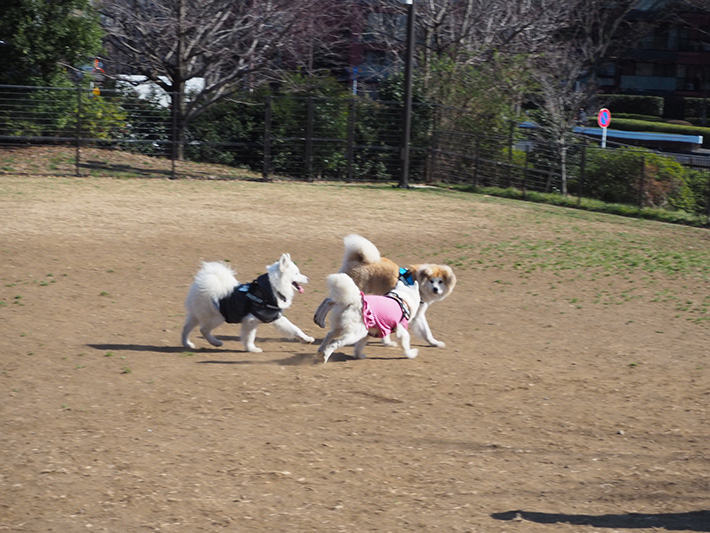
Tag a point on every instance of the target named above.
point(43, 42)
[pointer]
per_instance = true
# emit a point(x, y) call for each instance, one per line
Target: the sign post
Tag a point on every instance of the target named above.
point(604, 119)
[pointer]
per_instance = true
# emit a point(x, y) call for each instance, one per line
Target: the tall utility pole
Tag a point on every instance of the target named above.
point(407, 118)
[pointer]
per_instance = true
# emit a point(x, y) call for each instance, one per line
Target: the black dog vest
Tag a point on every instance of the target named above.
point(256, 298)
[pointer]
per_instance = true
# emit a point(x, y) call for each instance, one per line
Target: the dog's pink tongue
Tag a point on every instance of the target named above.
point(298, 287)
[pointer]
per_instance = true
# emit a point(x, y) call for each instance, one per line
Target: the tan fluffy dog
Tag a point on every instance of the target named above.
point(374, 274)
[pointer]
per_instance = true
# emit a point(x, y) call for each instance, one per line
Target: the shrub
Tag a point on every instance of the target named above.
point(697, 107)
point(639, 105)
point(643, 178)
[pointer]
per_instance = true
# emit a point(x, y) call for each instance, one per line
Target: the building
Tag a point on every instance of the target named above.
point(672, 61)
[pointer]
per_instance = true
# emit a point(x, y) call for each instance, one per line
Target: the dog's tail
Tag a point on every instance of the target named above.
point(343, 290)
point(358, 251)
point(216, 279)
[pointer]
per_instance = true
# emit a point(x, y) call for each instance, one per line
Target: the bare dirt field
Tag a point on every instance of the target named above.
point(572, 394)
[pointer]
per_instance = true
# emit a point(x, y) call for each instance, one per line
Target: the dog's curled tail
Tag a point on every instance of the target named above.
point(216, 279)
point(359, 251)
point(343, 290)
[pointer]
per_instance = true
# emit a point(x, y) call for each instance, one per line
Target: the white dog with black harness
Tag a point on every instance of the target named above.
point(217, 297)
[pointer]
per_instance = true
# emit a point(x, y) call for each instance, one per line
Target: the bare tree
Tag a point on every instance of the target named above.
point(465, 34)
point(229, 45)
point(564, 69)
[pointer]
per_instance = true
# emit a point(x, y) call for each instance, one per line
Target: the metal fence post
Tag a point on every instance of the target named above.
point(309, 139)
point(433, 152)
point(350, 143)
point(174, 135)
point(642, 181)
point(79, 110)
point(582, 169)
point(267, 138)
point(510, 154)
point(476, 161)
point(525, 172)
point(407, 104)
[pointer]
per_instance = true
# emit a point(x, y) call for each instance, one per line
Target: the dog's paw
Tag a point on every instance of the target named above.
point(437, 344)
point(254, 349)
point(188, 344)
point(319, 320)
point(411, 354)
point(386, 341)
point(307, 339)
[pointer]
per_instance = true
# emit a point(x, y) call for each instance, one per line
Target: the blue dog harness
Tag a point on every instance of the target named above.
point(406, 276)
point(256, 298)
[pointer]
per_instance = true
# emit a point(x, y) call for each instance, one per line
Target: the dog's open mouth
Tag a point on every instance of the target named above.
point(297, 286)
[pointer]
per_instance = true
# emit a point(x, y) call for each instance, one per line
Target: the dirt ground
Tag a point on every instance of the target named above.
point(566, 399)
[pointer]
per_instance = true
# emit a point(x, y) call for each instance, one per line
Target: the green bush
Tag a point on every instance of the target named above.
point(639, 105)
point(641, 178)
point(699, 183)
point(633, 116)
point(229, 133)
point(660, 127)
point(697, 107)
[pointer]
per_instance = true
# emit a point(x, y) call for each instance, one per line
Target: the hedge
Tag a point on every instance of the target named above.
point(638, 105)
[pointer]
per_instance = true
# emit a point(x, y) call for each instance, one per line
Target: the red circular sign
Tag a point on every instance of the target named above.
point(604, 118)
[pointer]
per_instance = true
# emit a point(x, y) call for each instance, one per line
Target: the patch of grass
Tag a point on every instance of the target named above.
point(595, 254)
point(589, 204)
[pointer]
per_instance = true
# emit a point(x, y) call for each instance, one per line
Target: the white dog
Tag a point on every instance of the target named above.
point(355, 315)
point(217, 297)
point(375, 274)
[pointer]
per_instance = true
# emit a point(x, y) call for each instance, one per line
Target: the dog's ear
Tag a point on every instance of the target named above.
point(449, 276)
point(284, 261)
point(425, 271)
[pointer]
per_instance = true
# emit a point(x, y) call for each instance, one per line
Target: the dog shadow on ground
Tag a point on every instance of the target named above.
point(233, 345)
point(147, 348)
point(690, 521)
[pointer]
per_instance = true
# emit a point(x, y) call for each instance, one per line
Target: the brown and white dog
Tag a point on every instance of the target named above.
point(374, 274)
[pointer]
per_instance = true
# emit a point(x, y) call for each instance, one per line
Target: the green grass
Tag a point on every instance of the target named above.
point(589, 258)
point(589, 204)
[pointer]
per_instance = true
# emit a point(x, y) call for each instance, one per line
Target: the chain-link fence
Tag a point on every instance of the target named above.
point(353, 139)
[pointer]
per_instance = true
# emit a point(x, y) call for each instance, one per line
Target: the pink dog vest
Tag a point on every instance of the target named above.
point(382, 313)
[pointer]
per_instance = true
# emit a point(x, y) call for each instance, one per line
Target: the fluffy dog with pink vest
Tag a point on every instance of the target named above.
point(375, 274)
point(355, 316)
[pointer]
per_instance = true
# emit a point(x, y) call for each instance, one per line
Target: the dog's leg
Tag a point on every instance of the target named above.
point(403, 336)
point(207, 334)
point(420, 327)
point(322, 312)
point(387, 341)
point(208, 325)
point(190, 323)
point(360, 348)
point(324, 350)
point(332, 342)
point(288, 328)
point(249, 325)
